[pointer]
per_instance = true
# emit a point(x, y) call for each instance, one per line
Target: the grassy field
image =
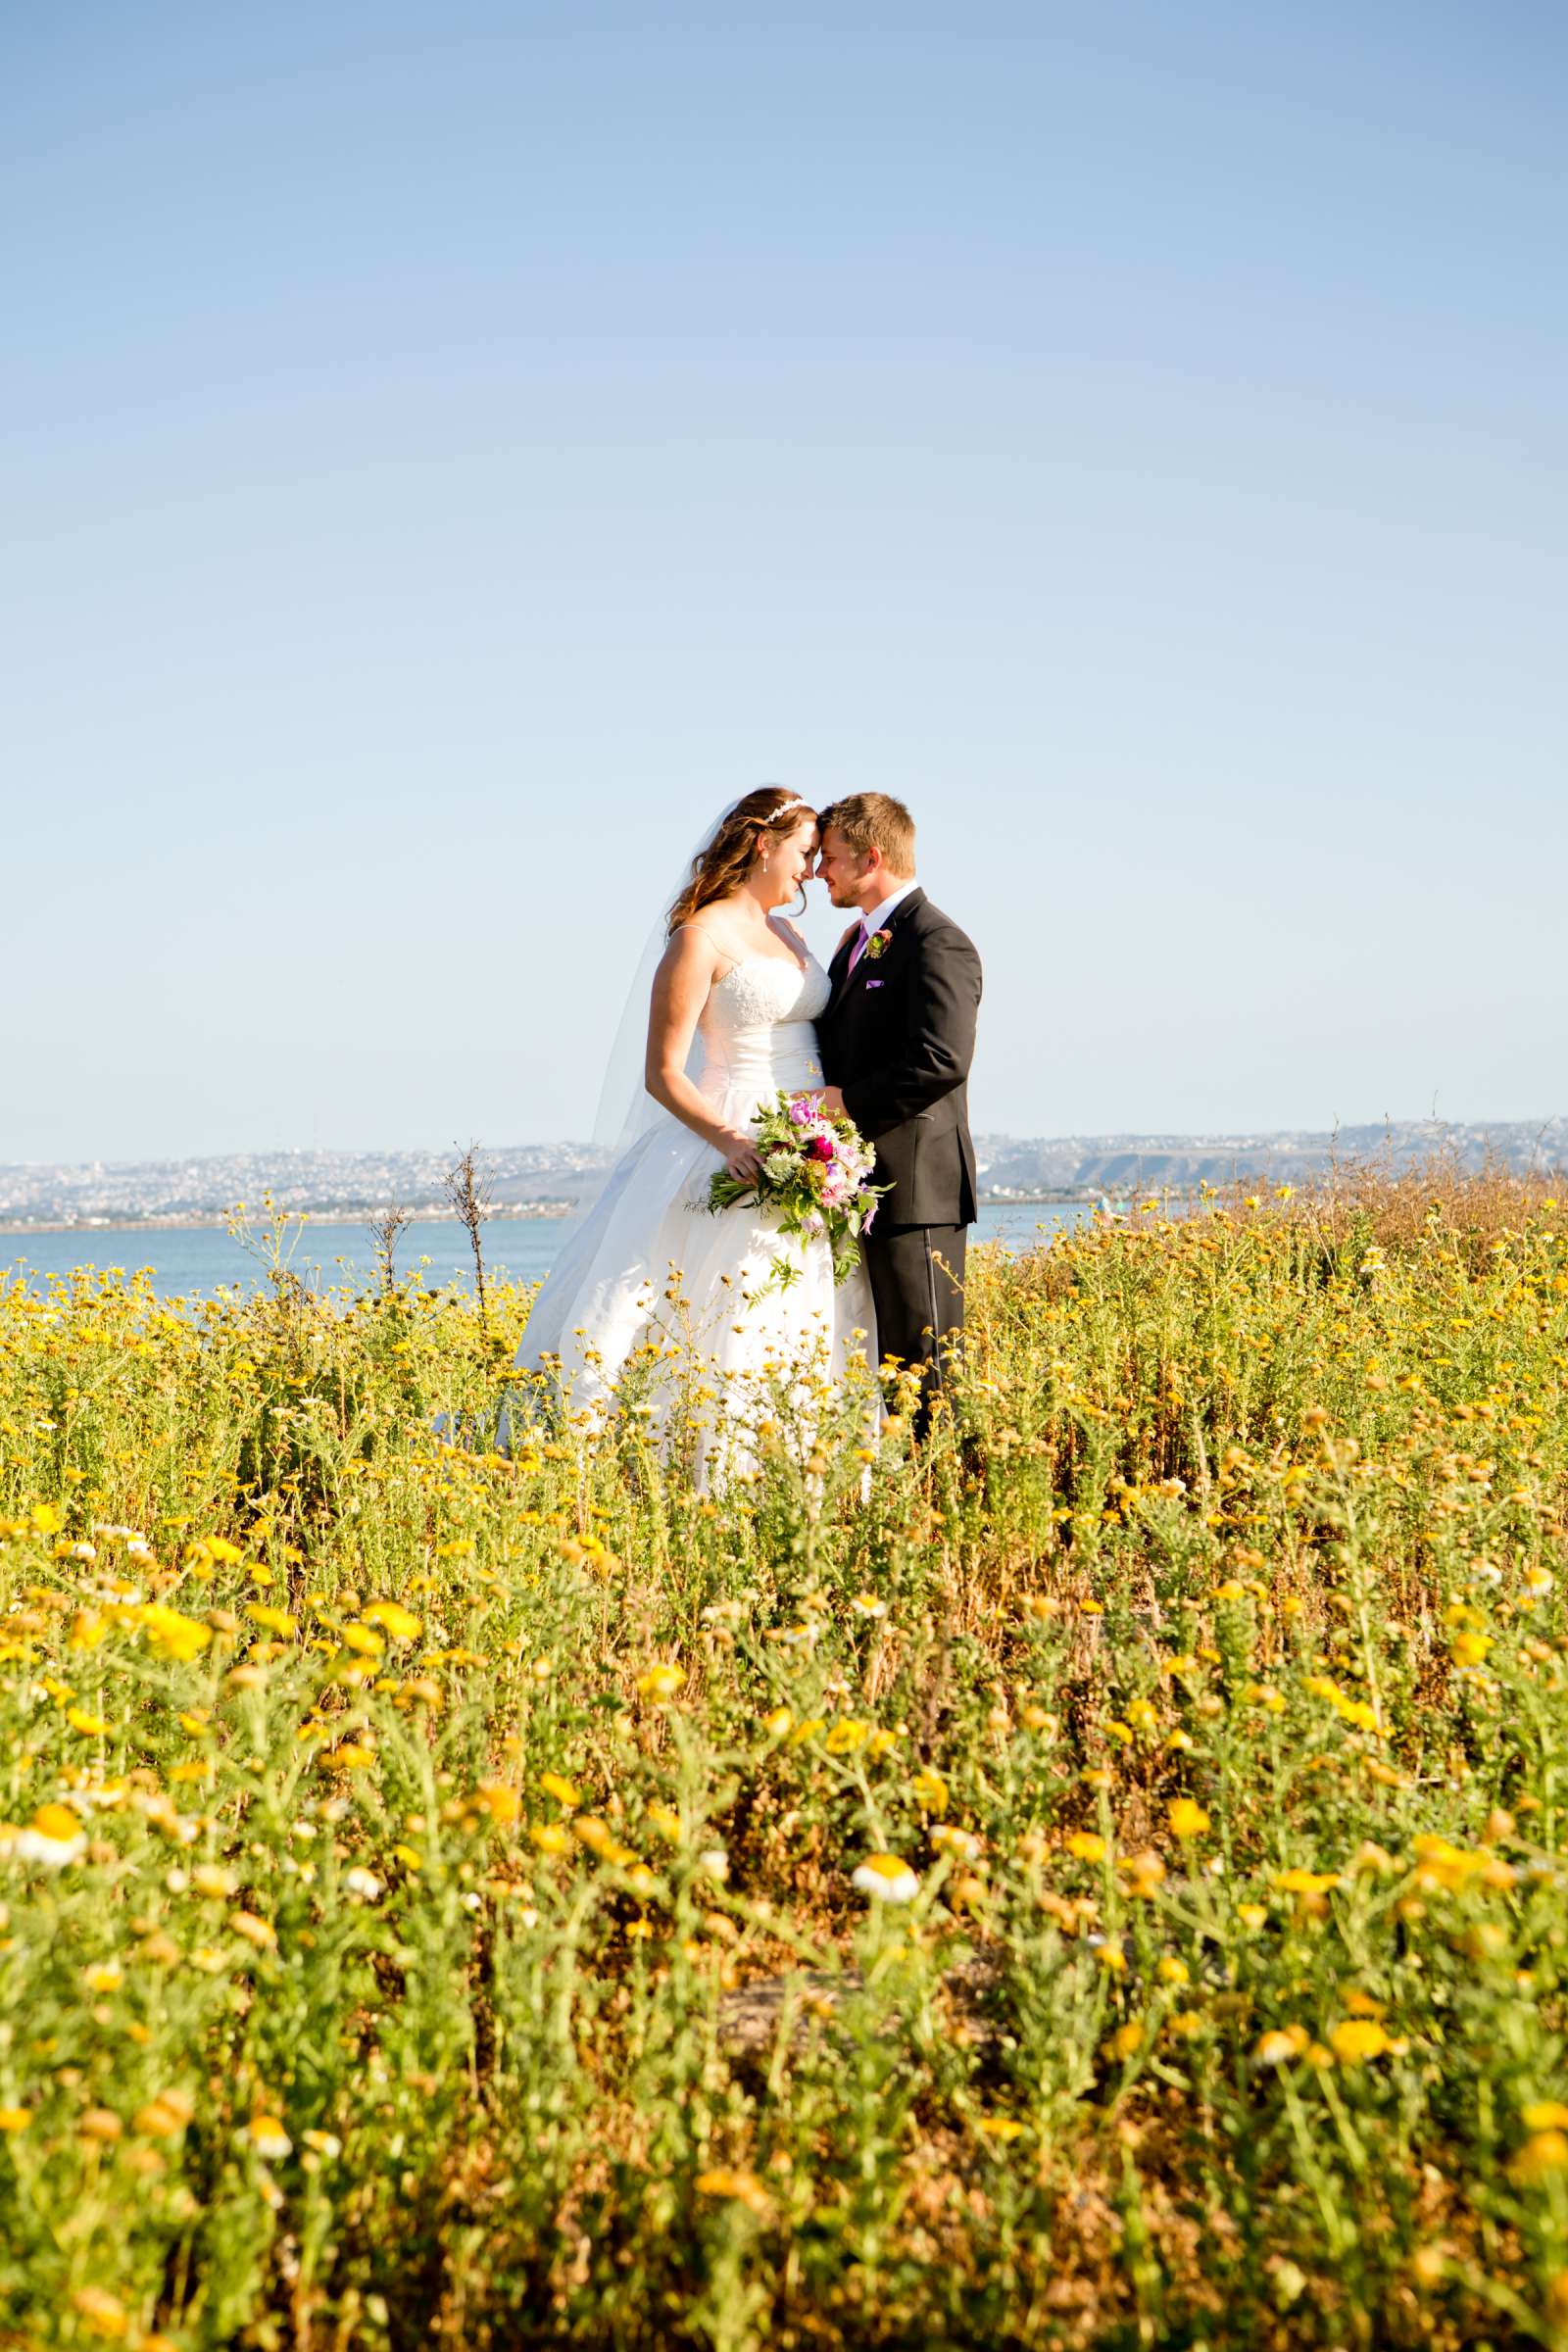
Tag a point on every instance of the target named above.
point(1101, 1882)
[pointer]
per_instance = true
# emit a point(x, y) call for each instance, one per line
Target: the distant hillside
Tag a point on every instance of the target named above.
point(542, 1178)
point(1010, 1168)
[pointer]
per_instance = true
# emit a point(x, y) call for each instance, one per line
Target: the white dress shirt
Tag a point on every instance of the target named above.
point(879, 914)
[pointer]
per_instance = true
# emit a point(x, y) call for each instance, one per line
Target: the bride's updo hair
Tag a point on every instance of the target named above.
point(719, 870)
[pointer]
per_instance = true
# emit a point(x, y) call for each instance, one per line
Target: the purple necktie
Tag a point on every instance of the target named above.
point(859, 948)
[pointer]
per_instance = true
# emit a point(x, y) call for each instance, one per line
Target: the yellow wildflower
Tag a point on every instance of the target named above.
point(164, 2117)
point(1144, 1873)
point(947, 1838)
point(175, 1636)
point(276, 1621)
point(1281, 2046)
point(1446, 1866)
point(102, 2313)
point(737, 2188)
point(399, 1623)
point(1543, 2154)
point(1355, 2038)
point(259, 1931)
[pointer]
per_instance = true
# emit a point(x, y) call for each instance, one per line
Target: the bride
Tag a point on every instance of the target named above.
point(653, 1284)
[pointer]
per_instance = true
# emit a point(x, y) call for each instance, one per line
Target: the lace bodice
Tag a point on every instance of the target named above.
point(758, 1024)
point(764, 992)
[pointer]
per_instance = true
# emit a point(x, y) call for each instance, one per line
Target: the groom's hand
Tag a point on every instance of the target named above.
point(832, 1102)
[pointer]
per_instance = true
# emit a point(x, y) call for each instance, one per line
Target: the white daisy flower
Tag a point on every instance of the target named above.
point(886, 1879)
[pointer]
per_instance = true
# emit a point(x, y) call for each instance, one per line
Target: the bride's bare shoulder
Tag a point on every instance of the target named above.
point(714, 934)
point(700, 953)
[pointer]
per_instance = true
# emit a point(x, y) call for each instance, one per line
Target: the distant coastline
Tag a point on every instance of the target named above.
point(550, 1183)
point(508, 1212)
point(216, 1220)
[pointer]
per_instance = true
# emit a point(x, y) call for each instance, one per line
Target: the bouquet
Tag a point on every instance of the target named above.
point(813, 1177)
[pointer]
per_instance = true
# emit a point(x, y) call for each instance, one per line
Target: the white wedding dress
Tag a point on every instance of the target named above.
point(652, 1267)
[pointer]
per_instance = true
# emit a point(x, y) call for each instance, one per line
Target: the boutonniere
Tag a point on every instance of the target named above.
point(878, 945)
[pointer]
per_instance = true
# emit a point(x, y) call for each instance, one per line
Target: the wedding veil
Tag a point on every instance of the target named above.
point(626, 1110)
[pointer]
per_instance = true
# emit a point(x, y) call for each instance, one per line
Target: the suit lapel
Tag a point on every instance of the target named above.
point(844, 980)
point(839, 973)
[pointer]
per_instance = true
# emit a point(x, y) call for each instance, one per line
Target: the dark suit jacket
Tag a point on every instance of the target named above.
point(897, 1040)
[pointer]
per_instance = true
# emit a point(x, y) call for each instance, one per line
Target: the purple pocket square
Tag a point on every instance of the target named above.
point(875, 984)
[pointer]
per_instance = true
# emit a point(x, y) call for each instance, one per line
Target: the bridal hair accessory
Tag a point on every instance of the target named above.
point(788, 809)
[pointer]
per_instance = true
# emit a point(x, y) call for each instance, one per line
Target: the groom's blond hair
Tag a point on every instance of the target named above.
point(874, 820)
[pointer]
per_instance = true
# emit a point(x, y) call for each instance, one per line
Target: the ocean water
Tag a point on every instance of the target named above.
point(197, 1260)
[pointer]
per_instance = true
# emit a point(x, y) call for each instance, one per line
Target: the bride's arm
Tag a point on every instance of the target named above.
point(681, 984)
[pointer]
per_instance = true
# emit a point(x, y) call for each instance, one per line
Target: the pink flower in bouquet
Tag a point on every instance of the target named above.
point(820, 1146)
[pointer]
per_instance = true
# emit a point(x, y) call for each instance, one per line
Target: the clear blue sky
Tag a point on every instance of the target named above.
point(450, 450)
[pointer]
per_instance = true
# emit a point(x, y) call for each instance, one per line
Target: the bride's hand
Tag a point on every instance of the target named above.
point(740, 1158)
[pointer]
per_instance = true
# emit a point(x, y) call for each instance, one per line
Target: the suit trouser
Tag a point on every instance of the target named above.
point(916, 1275)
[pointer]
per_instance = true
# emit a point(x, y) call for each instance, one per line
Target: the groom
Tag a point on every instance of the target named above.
point(897, 1041)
